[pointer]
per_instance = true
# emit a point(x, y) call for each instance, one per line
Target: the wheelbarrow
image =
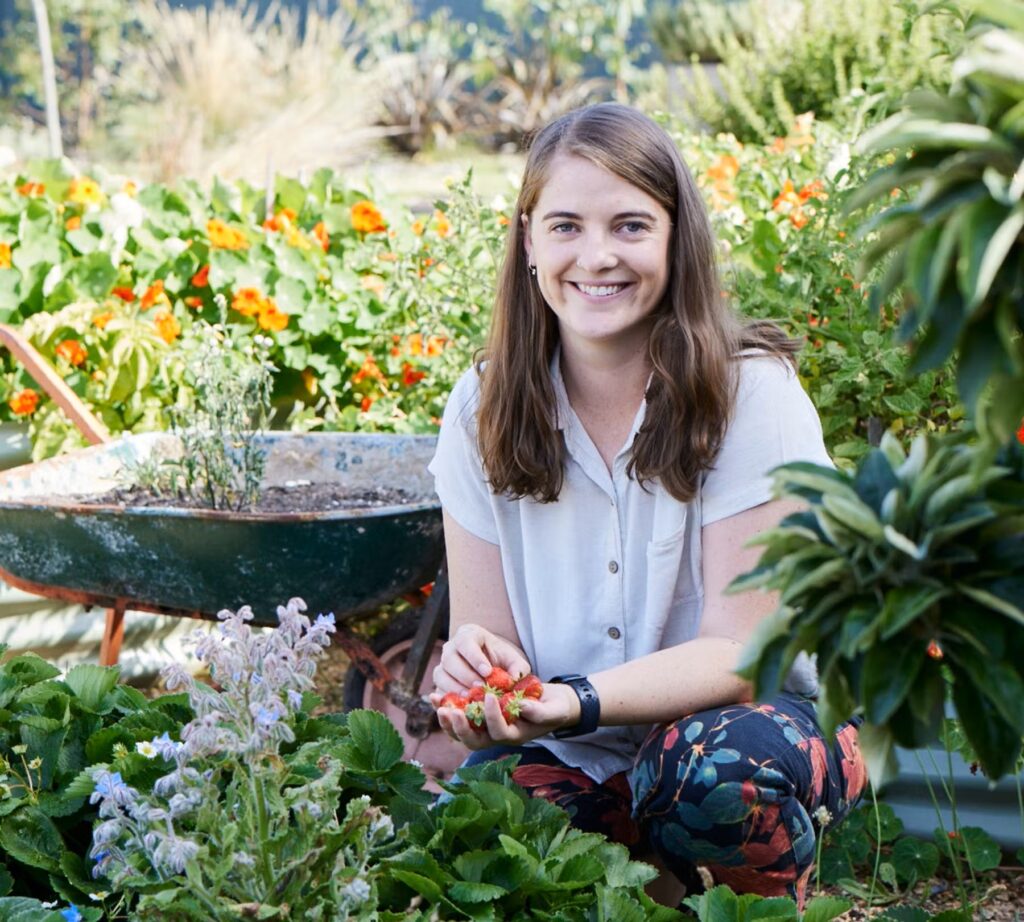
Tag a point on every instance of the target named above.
point(57, 541)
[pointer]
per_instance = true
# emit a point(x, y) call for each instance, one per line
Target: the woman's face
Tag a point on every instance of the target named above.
point(601, 248)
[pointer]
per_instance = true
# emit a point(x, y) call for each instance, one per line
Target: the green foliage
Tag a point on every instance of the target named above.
point(828, 57)
point(52, 727)
point(488, 851)
point(530, 67)
point(372, 314)
point(688, 29)
point(953, 239)
point(720, 904)
point(894, 576)
point(789, 254)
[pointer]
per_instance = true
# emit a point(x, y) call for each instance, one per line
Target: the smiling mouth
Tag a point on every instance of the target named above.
point(600, 291)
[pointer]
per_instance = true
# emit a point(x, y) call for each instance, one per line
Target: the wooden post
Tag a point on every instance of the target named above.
point(49, 78)
point(113, 634)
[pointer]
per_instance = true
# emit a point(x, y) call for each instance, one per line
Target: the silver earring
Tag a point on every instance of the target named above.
point(533, 271)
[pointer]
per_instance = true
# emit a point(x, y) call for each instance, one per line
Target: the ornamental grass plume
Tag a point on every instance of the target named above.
point(242, 817)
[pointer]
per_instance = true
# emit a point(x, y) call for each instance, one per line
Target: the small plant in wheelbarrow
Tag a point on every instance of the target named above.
point(221, 463)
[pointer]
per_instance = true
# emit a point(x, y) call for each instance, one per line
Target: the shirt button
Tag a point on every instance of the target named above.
point(614, 633)
point(613, 566)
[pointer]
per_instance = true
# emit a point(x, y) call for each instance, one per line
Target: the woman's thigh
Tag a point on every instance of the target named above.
point(743, 790)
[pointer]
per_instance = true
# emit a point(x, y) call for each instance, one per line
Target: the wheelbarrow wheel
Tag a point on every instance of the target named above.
point(437, 753)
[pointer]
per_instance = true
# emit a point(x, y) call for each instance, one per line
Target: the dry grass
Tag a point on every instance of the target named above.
point(226, 91)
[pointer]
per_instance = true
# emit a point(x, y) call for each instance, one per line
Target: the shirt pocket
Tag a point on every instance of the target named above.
point(673, 592)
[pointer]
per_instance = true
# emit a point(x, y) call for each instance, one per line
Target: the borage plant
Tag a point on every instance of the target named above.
point(266, 811)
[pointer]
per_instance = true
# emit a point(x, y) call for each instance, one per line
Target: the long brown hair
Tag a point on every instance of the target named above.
point(694, 340)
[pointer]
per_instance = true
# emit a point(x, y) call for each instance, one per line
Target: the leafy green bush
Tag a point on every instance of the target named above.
point(790, 254)
point(373, 311)
point(52, 727)
point(953, 239)
point(829, 57)
point(896, 578)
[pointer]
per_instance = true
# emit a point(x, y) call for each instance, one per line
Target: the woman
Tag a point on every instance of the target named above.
point(600, 473)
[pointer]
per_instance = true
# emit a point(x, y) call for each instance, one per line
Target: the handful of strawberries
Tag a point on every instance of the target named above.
point(511, 692)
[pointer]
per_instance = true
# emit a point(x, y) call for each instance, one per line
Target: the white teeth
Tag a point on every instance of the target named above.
point(600, 291)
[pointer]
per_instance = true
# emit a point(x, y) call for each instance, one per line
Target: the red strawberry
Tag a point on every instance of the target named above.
point(511, 706)
point(454, 700)
point(530, 686)
point(476, 693)
point(500, 680)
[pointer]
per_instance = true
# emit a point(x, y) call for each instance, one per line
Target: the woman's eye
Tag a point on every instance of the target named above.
point(563, 228)
point(634, 227)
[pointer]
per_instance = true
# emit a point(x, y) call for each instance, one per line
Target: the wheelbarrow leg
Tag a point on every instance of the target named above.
point(113, 634)
point(420, 717)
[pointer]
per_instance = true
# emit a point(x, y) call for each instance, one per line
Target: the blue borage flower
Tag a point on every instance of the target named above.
point(71, 914)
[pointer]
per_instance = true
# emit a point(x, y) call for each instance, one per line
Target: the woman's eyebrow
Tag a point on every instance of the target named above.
point(622, 215)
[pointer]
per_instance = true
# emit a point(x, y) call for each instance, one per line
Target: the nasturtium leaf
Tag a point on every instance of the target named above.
point(914, 859)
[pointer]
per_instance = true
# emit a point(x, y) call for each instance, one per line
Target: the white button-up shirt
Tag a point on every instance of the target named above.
point(611, 571)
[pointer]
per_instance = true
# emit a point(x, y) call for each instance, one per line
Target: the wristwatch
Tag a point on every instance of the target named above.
point(590, 705)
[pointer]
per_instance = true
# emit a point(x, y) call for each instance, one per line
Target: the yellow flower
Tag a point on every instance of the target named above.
point(101, 320)
point(5, 256)
point(223, 236)
point(271, 317)
point(167, 326)
point(84, 191)
point(248, 301)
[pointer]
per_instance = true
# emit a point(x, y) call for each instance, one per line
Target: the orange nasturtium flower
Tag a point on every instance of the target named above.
point(73, 223)
point(32, 189)
point(72, 351)
point(154, 295)
point(278, 222)
point(1020, 433)
point(418, 227)
point(366, 219)
point(435, 345)
point(369, 369)
point(101, 320)
point(202, 278)
point(84, 191)
point(414, 344)
point(223, 236)
point(24, 402)
point(248, 301)
point(167, 326)
point(411, 375)
point(320, 232)
point(5, 256)
point(124, 292)
point(193, 301)
point(271, 317)
point(441, 223)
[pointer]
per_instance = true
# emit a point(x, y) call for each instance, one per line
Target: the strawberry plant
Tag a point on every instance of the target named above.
point(54, 725)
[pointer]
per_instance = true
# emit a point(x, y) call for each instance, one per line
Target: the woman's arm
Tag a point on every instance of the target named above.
point(698, 674)
point(483, 632)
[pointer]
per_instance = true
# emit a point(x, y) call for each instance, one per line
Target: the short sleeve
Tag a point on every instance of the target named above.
point(459, 478)
point(773, 423)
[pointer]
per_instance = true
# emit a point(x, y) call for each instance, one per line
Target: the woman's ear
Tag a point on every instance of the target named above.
point(524, 221)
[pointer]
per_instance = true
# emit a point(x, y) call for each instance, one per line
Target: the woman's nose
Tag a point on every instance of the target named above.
point(596, 253)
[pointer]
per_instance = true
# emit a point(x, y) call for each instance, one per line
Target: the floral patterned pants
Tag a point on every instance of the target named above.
point(742, 791)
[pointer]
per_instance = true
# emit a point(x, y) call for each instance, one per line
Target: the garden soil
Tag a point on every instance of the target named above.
point(301, 497)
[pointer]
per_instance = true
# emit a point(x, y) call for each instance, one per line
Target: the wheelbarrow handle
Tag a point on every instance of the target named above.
point(44, 374)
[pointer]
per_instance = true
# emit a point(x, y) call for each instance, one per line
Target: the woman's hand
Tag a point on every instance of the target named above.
point(468, 657)
point(557, 707)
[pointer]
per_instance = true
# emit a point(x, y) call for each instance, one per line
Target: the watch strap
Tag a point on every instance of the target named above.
point(590, 705)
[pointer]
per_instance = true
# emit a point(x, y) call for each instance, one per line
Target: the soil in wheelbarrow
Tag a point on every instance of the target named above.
point(301, 496)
